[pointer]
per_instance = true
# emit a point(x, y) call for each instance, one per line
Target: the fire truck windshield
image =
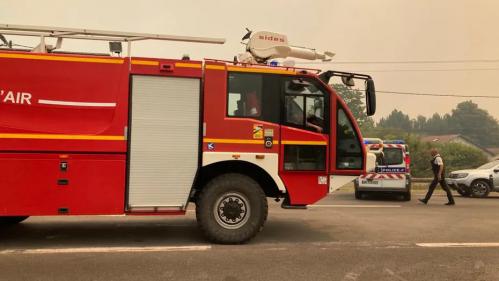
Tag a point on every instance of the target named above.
point(348, 149)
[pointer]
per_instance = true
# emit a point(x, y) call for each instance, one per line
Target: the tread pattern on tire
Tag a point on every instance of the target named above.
point(219, 185)
point(358, 195)
point(486, 193)
point(407, 196)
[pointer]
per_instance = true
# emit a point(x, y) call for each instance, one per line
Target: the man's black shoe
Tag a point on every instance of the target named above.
point(423, 201)
point(450, 203)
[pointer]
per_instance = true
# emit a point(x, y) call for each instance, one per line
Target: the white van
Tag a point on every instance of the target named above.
point(392, 173)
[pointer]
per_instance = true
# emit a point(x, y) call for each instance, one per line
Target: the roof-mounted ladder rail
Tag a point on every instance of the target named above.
point(89, 34)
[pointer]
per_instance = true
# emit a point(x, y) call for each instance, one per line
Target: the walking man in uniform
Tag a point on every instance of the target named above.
point(437, 165)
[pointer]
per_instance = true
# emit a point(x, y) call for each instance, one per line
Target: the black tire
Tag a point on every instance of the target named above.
point(464, 192)
point(480, 188)
point(358, 195)
point(407, 196)
point(11, 220)
point(231, 209)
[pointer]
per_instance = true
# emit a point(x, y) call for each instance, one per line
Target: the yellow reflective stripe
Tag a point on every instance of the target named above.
point(215, 67)
point(187, 65)
point(145, 62)
point(260, 70)
point(60, 137)
point(156, 63)
point(249, 141)
point(59, 58)
point(305, 142)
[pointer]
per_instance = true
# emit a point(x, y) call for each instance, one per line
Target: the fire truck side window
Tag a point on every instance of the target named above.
point(304, 158)
point(245, 95)
point(253, 95)
point(348, 149)
point(294, 110)
point(305, 105)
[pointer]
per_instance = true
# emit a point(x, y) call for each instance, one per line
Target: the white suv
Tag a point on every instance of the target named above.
point(478, 182)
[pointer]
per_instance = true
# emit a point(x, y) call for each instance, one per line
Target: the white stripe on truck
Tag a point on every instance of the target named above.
point(76, 103)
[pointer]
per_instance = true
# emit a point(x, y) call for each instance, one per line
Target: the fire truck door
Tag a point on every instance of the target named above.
point(347, 152)
point(304, 140)
point(164, 141)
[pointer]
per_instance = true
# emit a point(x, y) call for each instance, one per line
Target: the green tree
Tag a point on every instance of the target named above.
point(396, 120)
point(459, 156)
point(419, 124)
point(434, 125)
point(420, 157)
point(355, 102)
point(475, 123)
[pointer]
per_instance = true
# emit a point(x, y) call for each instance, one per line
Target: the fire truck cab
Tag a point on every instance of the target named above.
point(85, 134)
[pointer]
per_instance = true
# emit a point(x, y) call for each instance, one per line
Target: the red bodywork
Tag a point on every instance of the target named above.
point(302, 186)
point(38, 138)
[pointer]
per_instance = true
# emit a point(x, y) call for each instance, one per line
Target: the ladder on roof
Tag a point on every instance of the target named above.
point(89, 34)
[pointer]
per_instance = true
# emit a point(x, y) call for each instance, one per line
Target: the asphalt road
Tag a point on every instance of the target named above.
point(339, 239)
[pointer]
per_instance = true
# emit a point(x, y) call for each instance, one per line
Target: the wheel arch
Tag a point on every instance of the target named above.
point(262, 177)
point(481, 179)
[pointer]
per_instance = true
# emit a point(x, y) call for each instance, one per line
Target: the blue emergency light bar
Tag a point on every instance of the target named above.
point(372, 142)
point(394, 142)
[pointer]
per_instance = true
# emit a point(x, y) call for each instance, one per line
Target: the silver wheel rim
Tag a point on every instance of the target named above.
point(479, 188)
point(232, 210)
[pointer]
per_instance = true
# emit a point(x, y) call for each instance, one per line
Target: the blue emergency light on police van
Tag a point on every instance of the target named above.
point(372, 141)
point(394, 142)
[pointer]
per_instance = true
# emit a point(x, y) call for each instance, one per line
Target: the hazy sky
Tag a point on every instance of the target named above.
point(368, 30)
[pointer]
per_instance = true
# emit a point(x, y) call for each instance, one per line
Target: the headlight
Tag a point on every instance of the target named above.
point(460, 175)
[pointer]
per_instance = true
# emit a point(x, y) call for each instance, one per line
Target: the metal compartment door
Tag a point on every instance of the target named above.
point(164, 141)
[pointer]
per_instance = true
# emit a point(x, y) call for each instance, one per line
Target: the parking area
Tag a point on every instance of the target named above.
point(340, 238)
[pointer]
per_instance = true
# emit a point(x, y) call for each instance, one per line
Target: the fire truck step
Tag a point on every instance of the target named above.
point(285, 205)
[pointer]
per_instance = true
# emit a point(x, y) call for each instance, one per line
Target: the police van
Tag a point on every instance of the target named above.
point(392, 173)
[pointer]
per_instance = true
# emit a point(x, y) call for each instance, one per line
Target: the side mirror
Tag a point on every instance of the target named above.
point(370, 97)
point(348, 81)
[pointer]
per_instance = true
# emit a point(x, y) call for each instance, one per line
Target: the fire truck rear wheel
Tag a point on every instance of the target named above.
point(11, 220)
point(231, 209)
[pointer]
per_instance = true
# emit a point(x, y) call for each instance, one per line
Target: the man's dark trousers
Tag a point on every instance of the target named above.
point(444, 186)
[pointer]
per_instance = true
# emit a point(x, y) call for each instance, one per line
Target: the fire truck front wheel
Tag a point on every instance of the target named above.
point(11, 220)
point(231, 209)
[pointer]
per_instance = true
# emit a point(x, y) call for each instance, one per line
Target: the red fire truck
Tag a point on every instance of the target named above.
point(93, 134)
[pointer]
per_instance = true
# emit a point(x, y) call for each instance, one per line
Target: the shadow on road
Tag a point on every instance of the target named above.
point(382, 196)
point(70, 232)
point(291, 231)
point(137, 232)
